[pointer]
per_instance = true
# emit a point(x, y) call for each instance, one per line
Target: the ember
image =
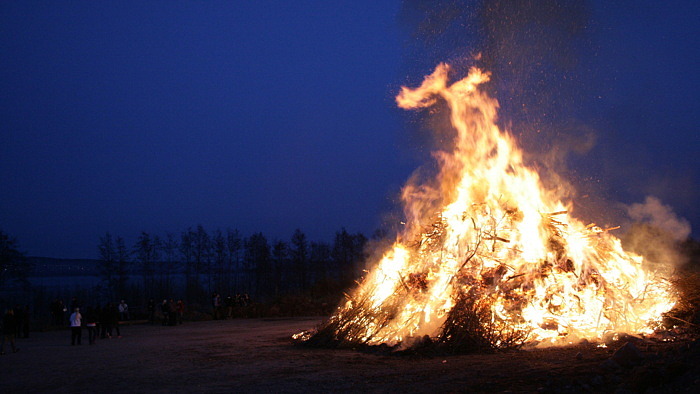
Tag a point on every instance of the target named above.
point(490, 258)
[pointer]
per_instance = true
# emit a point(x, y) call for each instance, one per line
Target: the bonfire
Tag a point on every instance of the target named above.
point(489, 257)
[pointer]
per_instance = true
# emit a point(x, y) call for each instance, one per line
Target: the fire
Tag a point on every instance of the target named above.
point(487, 247)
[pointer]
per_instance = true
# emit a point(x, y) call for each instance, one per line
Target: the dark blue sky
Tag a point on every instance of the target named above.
point(269, 116)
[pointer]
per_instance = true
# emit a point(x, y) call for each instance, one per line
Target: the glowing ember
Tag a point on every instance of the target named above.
point(488, 250)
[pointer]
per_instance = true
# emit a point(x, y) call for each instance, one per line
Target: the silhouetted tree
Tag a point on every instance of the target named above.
point(202, 260)
point(108, 264)
point(300, 256)
point(123, 261)
point(234, 245)
point(347, 253)
point(280, 256)
point(170, 248)
point(146, 250)
point(202, 250)
point(187, 250)
point(14, 266)
point(220, 251)
point(319, 260)
point(257, 255)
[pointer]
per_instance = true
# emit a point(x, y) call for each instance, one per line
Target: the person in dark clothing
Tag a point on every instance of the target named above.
point(25, 325)
point(151, 311)
point(111, 319)
point(105, 328)
point(90, 319)
point(179, 310)
point(114, 319)
point(97, 311)
point(9, 329)
point(229, 307)
point(216, 306)
point(19, 319)
point(58, 309)
point(172, 317)
point(52, 310)
point(165, 310)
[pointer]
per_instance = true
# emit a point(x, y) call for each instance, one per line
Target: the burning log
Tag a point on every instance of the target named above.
point(471, 326)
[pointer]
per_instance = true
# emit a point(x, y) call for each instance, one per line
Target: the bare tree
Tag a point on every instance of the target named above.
point(257, 255)
point(300, 257)
point(280, 257)
point(146, 250)
point(347, 253)
point(319, 259)
point(107, 265)
point(169, 265)
point(202, 258)
point(13, 263)
point(122, 263)
point(187, 252)
point(220, 251)
point(234, 245)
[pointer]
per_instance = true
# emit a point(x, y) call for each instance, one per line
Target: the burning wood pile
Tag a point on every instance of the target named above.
point(490, 258)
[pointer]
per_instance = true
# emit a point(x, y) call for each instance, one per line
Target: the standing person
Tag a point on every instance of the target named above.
point(19, 321)
point(180, 309)
point(91, 324)
point(151, 311)
point(25, 325)
point(103, 319)
point(54, 312)
point(114, 319)
point(229, 307)
point(216, 305)
point(238, 301)
point(75, 323)
point(9, 329)
point(165, 310)
point(61, 313)
point(123, 311)
point(173, 313)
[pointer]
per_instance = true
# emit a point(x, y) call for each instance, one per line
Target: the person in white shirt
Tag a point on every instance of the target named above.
point(123, 311)
point(75, 323)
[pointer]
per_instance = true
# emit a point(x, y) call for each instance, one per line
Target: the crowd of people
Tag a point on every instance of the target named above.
point(99, 321)
point(224, 309)
point(169, 312)
point(102, 321)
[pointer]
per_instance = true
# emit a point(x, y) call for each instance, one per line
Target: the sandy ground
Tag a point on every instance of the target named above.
point(256, 355)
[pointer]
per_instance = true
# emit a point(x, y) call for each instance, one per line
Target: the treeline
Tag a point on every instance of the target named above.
point(294, 277)
point(14, 266)
point(195, 263)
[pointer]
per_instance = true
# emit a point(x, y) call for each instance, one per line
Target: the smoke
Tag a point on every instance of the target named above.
point(535, 50)
point(656, 233)
point(661, 216)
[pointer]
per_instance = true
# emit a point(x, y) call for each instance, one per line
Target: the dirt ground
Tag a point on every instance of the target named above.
point(256, 355)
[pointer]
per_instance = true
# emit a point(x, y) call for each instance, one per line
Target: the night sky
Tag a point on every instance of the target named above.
point(269, 116)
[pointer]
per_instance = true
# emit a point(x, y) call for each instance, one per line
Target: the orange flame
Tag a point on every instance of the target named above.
point(488, 222)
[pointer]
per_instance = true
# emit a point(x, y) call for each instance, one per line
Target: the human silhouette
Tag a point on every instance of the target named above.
point(9, 330)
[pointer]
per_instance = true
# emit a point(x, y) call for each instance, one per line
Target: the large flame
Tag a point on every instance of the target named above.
point(486, 228)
